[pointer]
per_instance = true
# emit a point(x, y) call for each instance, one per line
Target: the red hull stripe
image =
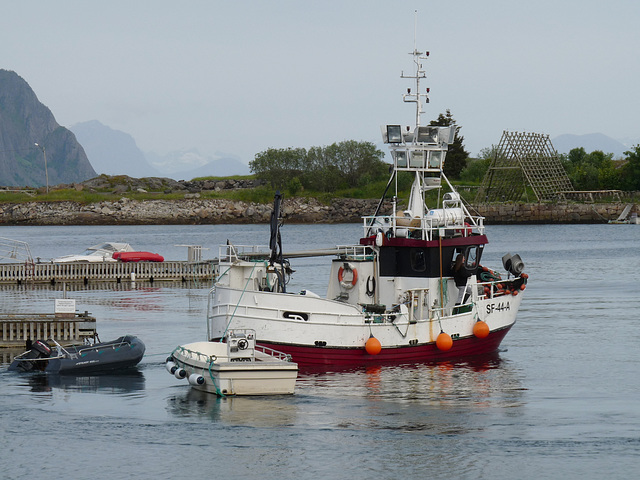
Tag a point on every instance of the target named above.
point(411, 242)
point(464, 347)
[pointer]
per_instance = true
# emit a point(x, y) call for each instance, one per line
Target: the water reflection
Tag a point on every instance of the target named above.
point(432, 398)
point(259, 411)
point(480, 382)
point(101, 286)
point(108, 384)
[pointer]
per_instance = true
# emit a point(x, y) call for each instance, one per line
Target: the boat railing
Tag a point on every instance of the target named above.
point(232, 253)
point(19, 358)
point(498, 287)
point(424, 228)
point(61, 350)
point(15, 250)
point(354, 252)
point(195, 354)
point(285, 357)
point(102, 346)
point(209, 359)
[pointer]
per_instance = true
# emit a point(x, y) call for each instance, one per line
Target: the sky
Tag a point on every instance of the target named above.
point(238, 77)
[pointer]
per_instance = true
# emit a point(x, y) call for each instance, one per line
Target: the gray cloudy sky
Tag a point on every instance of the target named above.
point(239, 76)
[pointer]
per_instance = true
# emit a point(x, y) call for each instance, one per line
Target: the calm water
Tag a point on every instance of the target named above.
point(560, 400)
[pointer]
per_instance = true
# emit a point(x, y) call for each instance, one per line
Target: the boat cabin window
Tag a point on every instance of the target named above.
point(418, 260)
point(471, 257)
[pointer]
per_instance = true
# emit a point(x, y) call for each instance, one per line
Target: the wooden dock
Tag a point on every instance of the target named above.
point(17, 328)
point(83, 272)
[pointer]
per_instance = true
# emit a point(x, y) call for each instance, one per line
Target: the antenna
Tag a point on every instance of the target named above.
point(419, 73)
point(415, 30)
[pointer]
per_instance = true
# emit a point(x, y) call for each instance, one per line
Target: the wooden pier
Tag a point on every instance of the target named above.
point(17, 328)
point(83, 272)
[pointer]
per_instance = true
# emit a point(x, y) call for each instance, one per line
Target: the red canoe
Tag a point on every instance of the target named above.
point(138, 257)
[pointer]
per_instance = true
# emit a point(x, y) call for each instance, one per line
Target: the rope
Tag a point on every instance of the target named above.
point(441, 285)
point(489, 275)
point(218, 392)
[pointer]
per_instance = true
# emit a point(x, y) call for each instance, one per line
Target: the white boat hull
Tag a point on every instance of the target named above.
point(336, 332)
point(263, 375)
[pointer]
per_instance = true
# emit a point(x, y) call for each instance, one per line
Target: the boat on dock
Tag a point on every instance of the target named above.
point(137, 257)
point(236, 366)
point(98, 253)
point(412, 289)
point(117, 355)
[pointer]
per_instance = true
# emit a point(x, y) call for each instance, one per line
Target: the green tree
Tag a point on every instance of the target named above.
point(278, 166)
point(477, 168)
point(341, 165)
point(457, 156)
point(631, 169)
point(591, 171)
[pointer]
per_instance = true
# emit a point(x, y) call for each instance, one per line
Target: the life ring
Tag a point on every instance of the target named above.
point(354, 273)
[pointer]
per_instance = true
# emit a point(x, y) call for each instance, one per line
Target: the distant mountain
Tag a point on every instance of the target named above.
point(222, 167)
point(24, 121)
point(113, 152)
point(590, 142)
point(188, 164)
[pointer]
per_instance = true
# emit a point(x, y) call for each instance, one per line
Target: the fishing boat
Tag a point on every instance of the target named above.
point(411, 289)
point(237, 366)
point(99, 357)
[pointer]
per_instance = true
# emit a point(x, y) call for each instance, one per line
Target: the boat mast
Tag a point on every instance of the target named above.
point(419, 73)
point(421, 151)
point(418, 98)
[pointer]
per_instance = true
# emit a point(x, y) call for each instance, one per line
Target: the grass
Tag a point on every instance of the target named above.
point(261, 194)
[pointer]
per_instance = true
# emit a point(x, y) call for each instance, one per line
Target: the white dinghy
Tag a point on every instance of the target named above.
point(237, 366)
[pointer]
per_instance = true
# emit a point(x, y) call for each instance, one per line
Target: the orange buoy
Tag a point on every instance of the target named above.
point(514, 293)
point(523, 286)
point(481, 329)
point(444, 341)
point(373, 346)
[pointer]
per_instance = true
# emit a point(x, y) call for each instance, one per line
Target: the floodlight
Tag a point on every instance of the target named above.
point(394, 134)
point(400, 156)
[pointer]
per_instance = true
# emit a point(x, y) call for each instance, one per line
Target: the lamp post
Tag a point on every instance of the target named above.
point(46, 172)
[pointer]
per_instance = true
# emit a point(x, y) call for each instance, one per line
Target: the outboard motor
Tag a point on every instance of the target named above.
point(31, 360)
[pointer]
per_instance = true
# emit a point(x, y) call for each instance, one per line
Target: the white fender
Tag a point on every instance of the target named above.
point(195, 379)
point(170, 367)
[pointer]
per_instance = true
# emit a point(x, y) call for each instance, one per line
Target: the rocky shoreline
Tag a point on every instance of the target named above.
point(193, 211)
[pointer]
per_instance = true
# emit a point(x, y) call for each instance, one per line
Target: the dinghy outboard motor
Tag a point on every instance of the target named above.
point(31, 359)
point(513, 264)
